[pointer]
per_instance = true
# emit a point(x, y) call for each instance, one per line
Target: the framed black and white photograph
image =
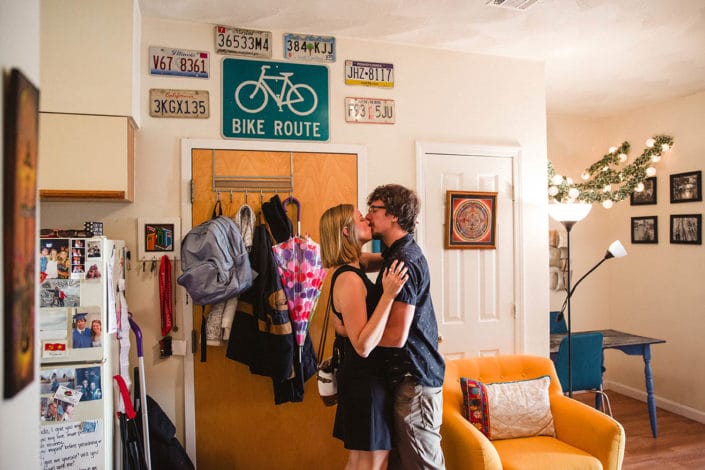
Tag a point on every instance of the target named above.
point(645, 229)
point(645, 197)
point(686, 187)
point(686, 229)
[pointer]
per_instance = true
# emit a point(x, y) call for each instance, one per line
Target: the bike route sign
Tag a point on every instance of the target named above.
point(274, 100)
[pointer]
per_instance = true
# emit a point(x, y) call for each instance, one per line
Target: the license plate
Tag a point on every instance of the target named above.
point(245, 42)
point(166, 103)
point(313, 48)
point(178, 62)
point(369, 110)
point(369, 74)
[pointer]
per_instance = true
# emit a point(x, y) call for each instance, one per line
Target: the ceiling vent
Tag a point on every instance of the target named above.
point(512, 4)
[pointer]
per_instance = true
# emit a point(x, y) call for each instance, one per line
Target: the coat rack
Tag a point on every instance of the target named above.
point(239, 183)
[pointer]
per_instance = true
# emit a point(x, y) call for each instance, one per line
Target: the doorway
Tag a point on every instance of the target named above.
point(230, 415)
point(474, 291)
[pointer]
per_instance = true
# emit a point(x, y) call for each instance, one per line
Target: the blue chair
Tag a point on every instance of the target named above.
point(558, 326)
point(587, 366)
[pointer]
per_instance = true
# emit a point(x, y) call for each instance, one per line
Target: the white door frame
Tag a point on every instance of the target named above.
point(187, 145)
point(475, 150)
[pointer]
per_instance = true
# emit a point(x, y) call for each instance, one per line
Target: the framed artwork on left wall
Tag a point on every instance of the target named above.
point(21, 124)
point(158, 236)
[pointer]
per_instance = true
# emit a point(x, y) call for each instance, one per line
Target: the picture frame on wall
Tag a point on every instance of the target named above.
point(686, 229)
point(645, 197)
point(21, 131)
point(471, 219)
point(158, 236)
point(645, 229)
point(686, 187)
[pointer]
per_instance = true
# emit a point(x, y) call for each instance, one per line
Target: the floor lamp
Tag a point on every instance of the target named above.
point(569, 214)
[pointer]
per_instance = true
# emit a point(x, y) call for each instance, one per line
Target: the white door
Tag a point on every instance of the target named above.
point(472, 289)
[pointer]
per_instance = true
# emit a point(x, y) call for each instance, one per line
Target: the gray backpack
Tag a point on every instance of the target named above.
point(214, 262)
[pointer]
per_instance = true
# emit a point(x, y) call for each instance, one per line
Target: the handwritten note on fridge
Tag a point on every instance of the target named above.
point(75, 446)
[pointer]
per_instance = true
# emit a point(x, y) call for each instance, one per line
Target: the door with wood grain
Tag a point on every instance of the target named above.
point(238, 426)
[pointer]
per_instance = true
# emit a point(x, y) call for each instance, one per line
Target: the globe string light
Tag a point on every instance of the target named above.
point(609, 179)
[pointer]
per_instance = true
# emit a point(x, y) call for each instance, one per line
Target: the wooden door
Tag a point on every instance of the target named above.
point(238, 426)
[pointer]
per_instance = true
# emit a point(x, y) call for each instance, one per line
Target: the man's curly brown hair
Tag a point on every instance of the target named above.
point(399, 201)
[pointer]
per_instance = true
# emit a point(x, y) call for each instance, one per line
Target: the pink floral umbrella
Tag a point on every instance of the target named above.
point(298, 261)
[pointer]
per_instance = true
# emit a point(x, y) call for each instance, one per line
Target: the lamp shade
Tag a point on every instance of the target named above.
point(569, 211)
point(616, 250)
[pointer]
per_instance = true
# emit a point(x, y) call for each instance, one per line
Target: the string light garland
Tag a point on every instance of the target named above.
point(607, 180)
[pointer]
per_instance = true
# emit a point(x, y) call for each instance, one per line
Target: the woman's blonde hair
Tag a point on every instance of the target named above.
point(337, 248)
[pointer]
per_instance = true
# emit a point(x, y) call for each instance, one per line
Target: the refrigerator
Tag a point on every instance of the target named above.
point(81, 316)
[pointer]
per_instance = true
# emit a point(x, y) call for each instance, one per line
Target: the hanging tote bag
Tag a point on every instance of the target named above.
point(327, 368)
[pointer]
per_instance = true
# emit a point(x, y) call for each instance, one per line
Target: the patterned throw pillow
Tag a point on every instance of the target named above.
point(475, 407)
point(507, 410)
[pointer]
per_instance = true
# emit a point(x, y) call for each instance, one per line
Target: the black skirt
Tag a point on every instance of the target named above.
point(363, 420)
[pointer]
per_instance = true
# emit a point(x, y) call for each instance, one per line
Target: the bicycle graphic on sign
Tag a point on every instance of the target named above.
point(252, 96)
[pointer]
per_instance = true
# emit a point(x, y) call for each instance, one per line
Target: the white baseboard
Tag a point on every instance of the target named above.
point(668, 405)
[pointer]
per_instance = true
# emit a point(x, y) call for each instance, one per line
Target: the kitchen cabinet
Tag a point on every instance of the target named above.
point(88, 157)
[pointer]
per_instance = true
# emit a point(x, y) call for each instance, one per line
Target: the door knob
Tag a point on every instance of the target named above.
point(440, 339)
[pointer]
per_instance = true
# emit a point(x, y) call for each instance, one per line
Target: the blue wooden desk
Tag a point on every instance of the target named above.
point(634, 346)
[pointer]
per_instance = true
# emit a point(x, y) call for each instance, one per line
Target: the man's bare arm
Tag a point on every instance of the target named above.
point(397, 330)
point(371, 261)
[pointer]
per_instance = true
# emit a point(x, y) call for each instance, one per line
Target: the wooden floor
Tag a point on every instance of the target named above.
point(680, 443)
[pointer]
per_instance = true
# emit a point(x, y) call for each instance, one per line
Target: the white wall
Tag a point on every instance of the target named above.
point(656, 290)
point(19, 434)
point(440, 96)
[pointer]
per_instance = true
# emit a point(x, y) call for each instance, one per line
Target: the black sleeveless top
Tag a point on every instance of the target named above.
point(374, 363)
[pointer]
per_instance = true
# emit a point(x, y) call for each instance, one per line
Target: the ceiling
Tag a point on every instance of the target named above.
point(601, 56)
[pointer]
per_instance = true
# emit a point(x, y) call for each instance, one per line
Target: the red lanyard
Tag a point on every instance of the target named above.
point(166, 295)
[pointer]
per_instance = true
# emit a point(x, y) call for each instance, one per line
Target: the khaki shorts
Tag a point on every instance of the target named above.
point(418, 412)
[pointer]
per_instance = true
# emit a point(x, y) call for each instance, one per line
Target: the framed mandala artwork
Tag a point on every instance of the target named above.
point(471, 219)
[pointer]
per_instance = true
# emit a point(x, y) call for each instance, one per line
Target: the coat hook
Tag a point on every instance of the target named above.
point(154, 264)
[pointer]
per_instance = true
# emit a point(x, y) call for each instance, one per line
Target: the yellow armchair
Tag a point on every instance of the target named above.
point(585, 437)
